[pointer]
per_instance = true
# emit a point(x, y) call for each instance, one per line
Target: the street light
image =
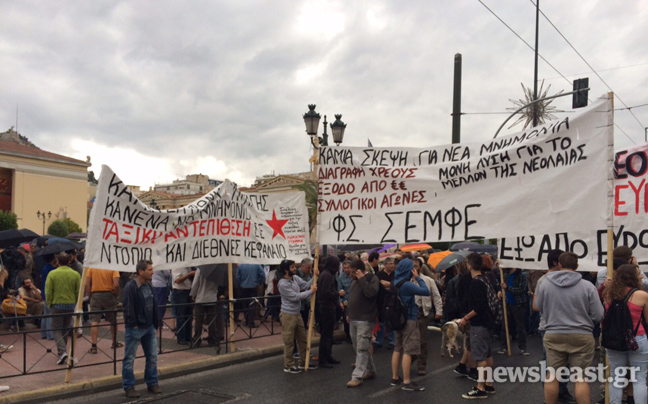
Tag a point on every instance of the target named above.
point(312, 119)
point(153, 204)
point(43, 216)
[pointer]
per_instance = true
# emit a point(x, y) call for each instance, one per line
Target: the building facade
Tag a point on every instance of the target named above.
point(34, 180)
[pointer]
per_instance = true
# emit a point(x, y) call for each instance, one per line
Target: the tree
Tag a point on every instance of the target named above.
point(8, 220)
point(310, 188)
point(58, 228)
point(73, 227)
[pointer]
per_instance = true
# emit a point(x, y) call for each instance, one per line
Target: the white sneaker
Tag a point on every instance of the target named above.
point(4, 388)
point(62, 359)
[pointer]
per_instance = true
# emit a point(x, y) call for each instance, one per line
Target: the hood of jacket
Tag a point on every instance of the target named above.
point(403, 270)
point(332, 264)
point(564, 279)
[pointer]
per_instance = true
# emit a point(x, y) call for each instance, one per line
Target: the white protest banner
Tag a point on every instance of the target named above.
point(550, 178)
point(630, 223)
point(223, 226)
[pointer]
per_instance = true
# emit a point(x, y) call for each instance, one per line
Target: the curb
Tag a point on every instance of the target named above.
point(106, 383)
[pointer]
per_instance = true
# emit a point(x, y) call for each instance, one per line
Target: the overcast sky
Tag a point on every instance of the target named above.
point(161, 89)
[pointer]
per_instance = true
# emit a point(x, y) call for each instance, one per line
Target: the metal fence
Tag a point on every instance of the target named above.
point(39, 353)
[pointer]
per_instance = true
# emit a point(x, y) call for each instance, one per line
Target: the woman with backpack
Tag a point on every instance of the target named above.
point(626, 284)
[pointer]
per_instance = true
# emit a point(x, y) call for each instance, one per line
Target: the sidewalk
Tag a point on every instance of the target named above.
point(41, 356)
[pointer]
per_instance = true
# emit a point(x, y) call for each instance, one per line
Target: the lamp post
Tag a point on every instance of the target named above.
point(43, 216)
point(153, 204)
point(312, 119)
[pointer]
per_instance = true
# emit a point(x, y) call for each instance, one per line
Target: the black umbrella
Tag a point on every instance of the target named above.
point(57, 247)
point(451, 260)
point(13, 237)
point(474, 247)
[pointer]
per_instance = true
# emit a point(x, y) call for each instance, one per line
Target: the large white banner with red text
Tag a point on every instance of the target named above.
point(548, 179)
point(630, 223)
point(223, 226)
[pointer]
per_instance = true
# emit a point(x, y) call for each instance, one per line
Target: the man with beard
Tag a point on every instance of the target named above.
point(293, 290)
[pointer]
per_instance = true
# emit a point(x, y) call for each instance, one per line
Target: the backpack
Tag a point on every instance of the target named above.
point(395, 312)
point(617, 331)
point(494, 304)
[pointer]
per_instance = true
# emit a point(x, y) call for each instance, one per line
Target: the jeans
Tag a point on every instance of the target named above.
point(46, 324)
point(361, 338)
point(148, 339)
point(620, 360)
point(162, 298)
point(380, 336)
point(62, 327)
point(517, 313)
point(184, 314)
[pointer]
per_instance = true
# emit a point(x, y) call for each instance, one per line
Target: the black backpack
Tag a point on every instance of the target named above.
point(494, 304)
point(395, 312)
point(616, 330)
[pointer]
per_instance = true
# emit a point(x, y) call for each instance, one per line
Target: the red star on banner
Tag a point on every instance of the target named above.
point(277, 225)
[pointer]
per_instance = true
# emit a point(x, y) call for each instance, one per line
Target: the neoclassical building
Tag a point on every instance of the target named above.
point(34, 180)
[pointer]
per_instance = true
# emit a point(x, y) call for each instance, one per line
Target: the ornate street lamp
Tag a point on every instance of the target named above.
point(43, 216)
point(312, 119)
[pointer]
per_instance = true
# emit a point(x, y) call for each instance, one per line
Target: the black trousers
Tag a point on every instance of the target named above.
point(327, 324)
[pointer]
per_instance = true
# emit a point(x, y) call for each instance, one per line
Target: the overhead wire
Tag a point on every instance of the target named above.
point(590, 66)
point(550, 65)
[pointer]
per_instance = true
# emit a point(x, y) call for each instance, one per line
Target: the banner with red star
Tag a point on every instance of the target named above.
point(223, 226)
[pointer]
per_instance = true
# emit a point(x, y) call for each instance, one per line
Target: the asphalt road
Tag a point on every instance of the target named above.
point(263, 381)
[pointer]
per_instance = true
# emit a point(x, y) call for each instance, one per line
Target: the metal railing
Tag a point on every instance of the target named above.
point(39, 353)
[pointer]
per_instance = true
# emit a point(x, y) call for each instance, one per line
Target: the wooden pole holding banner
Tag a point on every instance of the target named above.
point(311, 318)
point(230, 272)
point(610, 236)
point(77, 320)
point(508, 339)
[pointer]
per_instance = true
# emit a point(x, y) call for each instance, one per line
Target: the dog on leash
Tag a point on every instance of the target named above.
point(450, 335)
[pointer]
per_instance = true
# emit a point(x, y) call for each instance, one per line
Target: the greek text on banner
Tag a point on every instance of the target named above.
point(223, 226)
point(550, 178)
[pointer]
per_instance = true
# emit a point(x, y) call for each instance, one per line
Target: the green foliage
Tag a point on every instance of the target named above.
point(8, 220)
point(310, 188)
point(73, 227)
point(58, 228)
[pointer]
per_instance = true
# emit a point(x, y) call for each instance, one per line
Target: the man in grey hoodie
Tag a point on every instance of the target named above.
point(570, 306)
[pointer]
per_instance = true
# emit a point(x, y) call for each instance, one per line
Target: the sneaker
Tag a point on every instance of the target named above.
point(369, 376)
point(155, 389)
point(4, 388)
point(131, 393)
point(292, 370)
point(474, 393)
point(5, 348)
point(396, 382)
point(461, 370)
point(502, 351)
point(411, 386)
point(62, 359)
point(524, 352)
point(311, 366)
point(354, 383)
point(490, 389)
point(473, 375)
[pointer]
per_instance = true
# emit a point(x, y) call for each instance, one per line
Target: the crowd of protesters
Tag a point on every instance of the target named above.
point(560, 304)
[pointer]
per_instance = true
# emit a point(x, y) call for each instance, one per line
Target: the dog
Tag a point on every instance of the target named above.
point(450, 334)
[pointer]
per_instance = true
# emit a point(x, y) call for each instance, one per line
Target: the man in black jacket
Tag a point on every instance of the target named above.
point(141, 322)
point(328, 300)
